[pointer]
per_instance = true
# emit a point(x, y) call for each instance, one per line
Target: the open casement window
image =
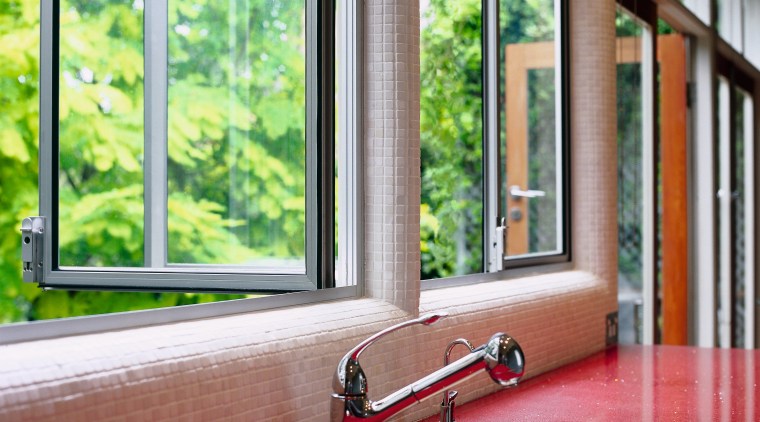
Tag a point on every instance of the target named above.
point(652, 120)
point(493, 136)
point(196, 154)
point(533, 178)
point(734, 193)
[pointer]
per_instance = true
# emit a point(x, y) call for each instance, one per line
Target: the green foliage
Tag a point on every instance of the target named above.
point(19, 38)
point(451, 139)
point(235, 139)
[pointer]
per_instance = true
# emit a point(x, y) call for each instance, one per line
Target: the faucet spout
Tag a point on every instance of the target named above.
point(501, 357)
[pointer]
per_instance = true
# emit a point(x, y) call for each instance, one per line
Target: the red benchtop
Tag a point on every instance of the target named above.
point(633, 383)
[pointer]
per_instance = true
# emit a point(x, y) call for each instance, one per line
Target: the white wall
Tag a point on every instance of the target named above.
point(279, 364)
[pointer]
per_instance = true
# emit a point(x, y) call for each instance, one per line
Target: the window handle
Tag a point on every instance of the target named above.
point(516, 192)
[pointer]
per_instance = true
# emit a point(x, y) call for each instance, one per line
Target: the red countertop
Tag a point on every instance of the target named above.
point(627, 383)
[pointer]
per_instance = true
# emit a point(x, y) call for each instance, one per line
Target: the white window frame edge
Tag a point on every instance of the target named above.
point(350, 264)
point(156, 103)
point(725, 223)
point(649, 181)
point(350, 207)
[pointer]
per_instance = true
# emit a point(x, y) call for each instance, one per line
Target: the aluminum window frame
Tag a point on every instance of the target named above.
point(350, 212)
point(492, 152)
point(157, 275)
point(645, 13)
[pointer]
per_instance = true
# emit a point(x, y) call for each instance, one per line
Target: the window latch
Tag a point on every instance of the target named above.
point(32, 238)
point(499, 246)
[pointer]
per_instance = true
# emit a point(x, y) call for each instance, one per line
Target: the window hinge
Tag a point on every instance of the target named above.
point(691, 94)
point(32, 239)
point(499, 245)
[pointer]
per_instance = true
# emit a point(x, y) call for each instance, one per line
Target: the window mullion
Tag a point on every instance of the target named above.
point(156, 115)
point(320, 233)
point(649, 182)
point(350, 165)
point(48, 149)
point(493, 257)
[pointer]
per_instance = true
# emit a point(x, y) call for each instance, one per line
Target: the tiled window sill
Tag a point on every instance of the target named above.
point(293, 351)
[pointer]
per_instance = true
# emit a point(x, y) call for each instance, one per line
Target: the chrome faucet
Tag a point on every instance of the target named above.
point(501, 357)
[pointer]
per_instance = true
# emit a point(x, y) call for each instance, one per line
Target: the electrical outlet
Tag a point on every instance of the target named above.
point(612, 329)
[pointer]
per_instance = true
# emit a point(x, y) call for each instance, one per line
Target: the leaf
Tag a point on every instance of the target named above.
point(52, 304)
point(13, 145)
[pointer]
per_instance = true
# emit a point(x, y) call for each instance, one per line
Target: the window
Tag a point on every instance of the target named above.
point(185, 147)
point(635, 156)
point(493, 136)
point(533, 134)
point(735, 207)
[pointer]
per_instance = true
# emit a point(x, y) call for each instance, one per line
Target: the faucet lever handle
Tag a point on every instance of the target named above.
point(349, 378)
point(426, 319)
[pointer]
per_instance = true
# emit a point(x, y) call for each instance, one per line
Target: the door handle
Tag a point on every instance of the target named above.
point(517, 193)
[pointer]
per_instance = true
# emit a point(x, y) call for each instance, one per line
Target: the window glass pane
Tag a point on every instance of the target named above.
point(236, 160)
point(101, 133)
point(531, 140)
point(451, 122)
point(630, 176)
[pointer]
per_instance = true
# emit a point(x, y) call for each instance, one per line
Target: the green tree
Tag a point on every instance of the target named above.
point(236, 142)
point(451, 138)
point(19, 38)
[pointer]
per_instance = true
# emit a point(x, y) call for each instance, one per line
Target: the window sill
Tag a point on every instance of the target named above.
point(293, 351)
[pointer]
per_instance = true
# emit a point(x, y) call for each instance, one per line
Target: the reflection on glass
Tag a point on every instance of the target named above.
point(630, 139)
point(529, 133)
point(451, 221)
point(101, 133)
point(236, 133)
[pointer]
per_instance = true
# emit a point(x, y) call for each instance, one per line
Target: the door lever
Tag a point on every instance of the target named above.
point(517, 193)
